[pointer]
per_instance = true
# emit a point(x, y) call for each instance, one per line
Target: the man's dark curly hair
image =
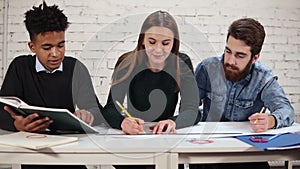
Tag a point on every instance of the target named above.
point(45, 19)
point(250, 31)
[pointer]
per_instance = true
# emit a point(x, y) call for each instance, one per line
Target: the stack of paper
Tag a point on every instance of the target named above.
point(34, 140)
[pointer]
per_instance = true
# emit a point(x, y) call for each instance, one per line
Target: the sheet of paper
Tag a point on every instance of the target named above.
point(230, 129)
point(205, 130)
point(102, 130)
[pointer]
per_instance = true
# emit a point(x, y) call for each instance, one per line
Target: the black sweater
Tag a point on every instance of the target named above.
point(62, 89)
point(153, 96)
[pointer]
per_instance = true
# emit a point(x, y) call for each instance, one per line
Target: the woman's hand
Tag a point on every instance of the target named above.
point(130, 127)
point(164, 126)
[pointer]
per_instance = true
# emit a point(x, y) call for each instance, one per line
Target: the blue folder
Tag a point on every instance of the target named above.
point(282, 141)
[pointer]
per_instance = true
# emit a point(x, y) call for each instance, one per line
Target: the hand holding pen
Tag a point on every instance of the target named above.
point(131, 125)
point(261, 111)
point(259, 121)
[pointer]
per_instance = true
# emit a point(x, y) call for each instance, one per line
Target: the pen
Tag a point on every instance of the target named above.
point(276, 135)
point(271, 138)
point(128, 115)
point(261, 111)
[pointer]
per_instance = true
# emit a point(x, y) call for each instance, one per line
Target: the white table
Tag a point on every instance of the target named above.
point(164, 151)
point(227, 150)
point(92, 150)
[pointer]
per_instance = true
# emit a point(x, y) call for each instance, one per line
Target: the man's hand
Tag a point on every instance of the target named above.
point(29, 123)
point(164, 126)
point(85, 116)
point(263, 123)
point(130, 127)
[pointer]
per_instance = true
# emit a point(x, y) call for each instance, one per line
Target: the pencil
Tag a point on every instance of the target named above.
point(128, 115)
point(261, 111)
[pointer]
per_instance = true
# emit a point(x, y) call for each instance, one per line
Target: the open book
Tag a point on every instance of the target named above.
point(63, 120)
point(34, 141)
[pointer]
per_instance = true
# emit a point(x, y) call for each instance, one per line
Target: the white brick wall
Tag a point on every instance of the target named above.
point(99, 33)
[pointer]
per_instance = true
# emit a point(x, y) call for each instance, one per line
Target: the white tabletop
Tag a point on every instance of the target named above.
point(165, 151)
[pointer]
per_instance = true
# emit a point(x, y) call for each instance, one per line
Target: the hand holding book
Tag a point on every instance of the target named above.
point(63, 120)
point(31, 123)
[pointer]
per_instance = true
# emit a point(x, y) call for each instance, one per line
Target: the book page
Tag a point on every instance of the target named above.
point(12, 101)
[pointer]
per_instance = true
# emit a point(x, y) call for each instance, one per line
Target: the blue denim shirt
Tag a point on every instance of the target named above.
point(224, 100)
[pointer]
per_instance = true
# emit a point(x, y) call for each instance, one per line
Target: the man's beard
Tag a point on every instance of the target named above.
point(237, 75)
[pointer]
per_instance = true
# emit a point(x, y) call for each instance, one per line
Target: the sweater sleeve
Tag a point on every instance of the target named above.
point(117, 92)
point(84, 94)
point(188, 111)
point(111, 114)
point(11, 86)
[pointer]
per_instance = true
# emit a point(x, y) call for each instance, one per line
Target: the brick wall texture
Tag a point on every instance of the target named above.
point(101, 30)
